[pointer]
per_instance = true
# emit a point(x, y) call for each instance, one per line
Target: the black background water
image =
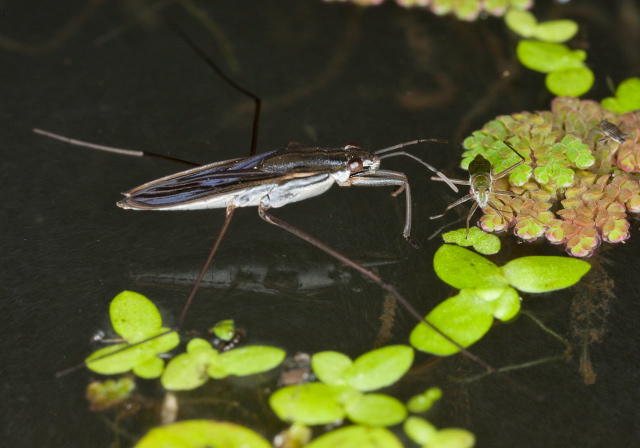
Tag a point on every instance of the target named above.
point(329, 74)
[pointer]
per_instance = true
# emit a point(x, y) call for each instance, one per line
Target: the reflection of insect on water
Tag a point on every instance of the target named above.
point(271, 180)
point(481, 179)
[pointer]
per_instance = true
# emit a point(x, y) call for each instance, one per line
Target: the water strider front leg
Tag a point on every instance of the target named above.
point(384, 178)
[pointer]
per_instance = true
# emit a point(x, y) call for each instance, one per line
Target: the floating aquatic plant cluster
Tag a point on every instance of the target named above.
point(345, 388)
point(577, 186)
point(462, 9)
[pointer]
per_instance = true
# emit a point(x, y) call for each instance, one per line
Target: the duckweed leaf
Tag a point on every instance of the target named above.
point(357, 437)
point(308, 404)
point(329, 367)
point(542, 274)
point(627, 97)
point(462, 268)
point(423, 402)
point(452, 438)
point(419, 430)
point(548, 57)
point(127, 359)
point(250, 360)
point(522, 22)
point(570, 82)
point(189, 370)
point(225, 329)
point(149, 369)
point(376, 410)
point(556, 30)
point(465, 318)
point(505, 301)
point(133, 316)
point(379, 368)
point(484, 243)
point(202, 434)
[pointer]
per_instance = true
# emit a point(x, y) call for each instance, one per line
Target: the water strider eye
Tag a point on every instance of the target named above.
point(355, 165)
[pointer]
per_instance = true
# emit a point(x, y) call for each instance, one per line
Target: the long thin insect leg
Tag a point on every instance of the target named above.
point(455, 204)
point(231, 82)
point(506, 171)
point(214, 249)
point(264, 214)
point(126, 152)
point(440, 174)
point(187, 304)
point(469, 216)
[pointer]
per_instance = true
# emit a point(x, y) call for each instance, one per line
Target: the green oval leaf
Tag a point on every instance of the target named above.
point(452, 438)
point(570, 82)
point(251, 360)
point(126, 360)
point(542, 274)
point(522, 22)
point(423, 402)
point(188, 370)
point(357, 437)
point(379, 368)
point(484, 243)
point(308, 404)
point(462, 268)
point(627, 97)
point(419, 430)
point(329, 367)
point(465, 318)
point(376, 410)
point(202, 434)
point(150, 369)
point(556, 30)
point(547, 57)
point(133, 316)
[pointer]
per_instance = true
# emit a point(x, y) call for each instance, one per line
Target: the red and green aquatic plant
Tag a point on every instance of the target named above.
point(463, 9)
point(577, 186)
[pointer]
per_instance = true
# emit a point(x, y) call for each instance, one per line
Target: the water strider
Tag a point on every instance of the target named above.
point(272, 180)
point(481, 179)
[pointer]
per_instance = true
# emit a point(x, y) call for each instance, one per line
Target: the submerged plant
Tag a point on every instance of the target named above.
point(576, 188)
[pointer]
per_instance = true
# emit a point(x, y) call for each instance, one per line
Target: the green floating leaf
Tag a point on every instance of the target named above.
point(376, 410)
point(627, 97)
point(462, 268)
point(423, 402)
point(107, 362)
point(570, 82)
point(379, 368)
point(104, 395)
point(522, 22)
point(505, 301)
point(150, 369)
point(452, 438)
point(465, 318)
point(188, 371)
point(548, 57)
point(556, 30)
point(329, 367)
point(308, 404)
point(202, 434)
point(250, 360)
point(357, 437)
point(484, 243)
point(419, 430)
point(542, 274)
point(133, 316)
point(225, 329)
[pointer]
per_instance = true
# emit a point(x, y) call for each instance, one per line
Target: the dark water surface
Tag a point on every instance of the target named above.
point(329, 74)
